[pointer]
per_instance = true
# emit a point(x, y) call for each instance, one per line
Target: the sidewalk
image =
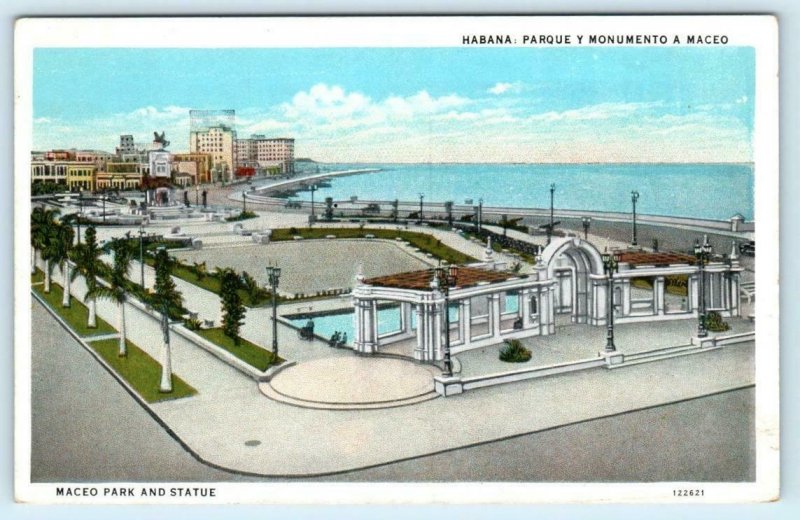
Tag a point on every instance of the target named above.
point(229, 410)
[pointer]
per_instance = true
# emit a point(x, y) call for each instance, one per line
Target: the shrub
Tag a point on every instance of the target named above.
point(715, 323)
point(192, 324)
point(514, 352)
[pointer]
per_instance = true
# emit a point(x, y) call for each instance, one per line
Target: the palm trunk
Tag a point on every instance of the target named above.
point(33, 260)
point(47, 276)
point(65, 272)
point(123, 347)
point(166, 368)
point(92, 313)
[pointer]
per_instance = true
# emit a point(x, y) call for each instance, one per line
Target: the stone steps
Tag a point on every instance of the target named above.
point(668, 353)
point(273, 394)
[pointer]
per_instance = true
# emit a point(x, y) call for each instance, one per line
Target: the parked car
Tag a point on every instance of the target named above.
point(748, 248)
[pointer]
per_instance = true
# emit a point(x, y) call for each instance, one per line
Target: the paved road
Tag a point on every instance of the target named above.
point(87, 428)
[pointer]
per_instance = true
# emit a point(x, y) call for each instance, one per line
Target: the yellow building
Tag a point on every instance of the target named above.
point(81, 176)
point(131, 180)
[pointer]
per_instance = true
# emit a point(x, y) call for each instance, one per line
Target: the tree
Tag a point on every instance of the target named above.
point(43, 224)
point(167, 294)
point(118, 292)
point(61, 250)
point(233, 310)
point(87, 263)
point(254, 291)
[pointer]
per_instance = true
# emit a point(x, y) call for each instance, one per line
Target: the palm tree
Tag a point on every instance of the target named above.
point(87, 264)
point(49, 239)
point(43, 221)
point(118, 292)
point(64, 236)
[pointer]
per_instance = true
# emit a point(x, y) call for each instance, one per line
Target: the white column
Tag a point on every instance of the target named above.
point(466, 321)
point(625, 304)
point(526, 296)
point(365, 327)
point(494, 314)
point(694, 293)
point(712, 285)
point(736, 303)
point(405, 317)
point(373, 310)
point(658, 294)
point(419, 351)
point(600, 302)
point(437, 332)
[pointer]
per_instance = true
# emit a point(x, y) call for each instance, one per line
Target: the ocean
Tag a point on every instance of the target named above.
point(713, 191)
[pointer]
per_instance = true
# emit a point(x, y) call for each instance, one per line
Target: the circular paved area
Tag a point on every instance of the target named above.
point(353, 382)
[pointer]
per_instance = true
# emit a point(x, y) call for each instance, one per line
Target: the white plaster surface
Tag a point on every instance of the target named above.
point(355, 379)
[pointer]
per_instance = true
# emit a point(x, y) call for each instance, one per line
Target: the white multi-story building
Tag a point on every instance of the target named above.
point(219, 143)
point(267, 153)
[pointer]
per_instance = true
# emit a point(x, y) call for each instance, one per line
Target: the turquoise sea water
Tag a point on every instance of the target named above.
point(714, 191)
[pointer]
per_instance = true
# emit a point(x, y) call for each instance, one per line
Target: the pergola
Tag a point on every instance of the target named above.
point(487, 305)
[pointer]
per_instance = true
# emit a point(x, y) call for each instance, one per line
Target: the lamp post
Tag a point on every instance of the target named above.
point(421, 196)
point(702, 253)
point(244, 201)
point(587, 221)
point(610, 266)
point(445, 280)
point(196, 193)
point(273, 275)
point(480, 215)
point(634, 198)
point(552, 198)
point(313, 188)
point(141, 254)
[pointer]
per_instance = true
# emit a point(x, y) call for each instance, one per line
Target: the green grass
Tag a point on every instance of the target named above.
point(211, 283)
point(141, 371)
point(247, 351)
point(426, 243)
point(37, 277)
point(76, 315)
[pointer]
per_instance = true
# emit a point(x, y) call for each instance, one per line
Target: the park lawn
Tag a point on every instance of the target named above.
point(37, 277)
point(211, 283)
point(247, 351)
point(76, 315)
point(426, 243)
point(140, 371)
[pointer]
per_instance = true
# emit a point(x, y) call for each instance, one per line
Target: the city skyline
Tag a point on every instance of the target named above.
point(413, 105)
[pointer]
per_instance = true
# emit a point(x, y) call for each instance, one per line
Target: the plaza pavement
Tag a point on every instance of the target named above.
point(229, 410)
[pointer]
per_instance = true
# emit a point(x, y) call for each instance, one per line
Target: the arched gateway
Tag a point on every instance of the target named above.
point(488, 304)
point(577, 268)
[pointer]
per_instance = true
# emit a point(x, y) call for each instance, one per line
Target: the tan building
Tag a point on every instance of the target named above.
point(53, 171)
point(120, 176)
point(219, 143)
point(273, 154)
point(197, 165)
point(105, 180)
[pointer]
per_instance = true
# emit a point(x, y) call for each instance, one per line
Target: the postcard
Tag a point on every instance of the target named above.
point(396, 260)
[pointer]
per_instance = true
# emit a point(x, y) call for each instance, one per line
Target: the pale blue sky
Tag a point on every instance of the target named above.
point(452, 104)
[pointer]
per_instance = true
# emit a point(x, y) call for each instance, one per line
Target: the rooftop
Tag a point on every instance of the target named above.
point(635, 258)
point(421, 280)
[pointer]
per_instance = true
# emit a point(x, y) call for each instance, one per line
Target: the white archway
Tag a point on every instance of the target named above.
point(577, 268)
